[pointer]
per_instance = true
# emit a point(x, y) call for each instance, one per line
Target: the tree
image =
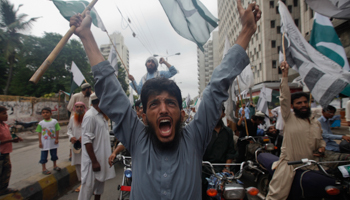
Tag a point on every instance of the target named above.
point(10, 23)
point(33, 52)
point(121, 78)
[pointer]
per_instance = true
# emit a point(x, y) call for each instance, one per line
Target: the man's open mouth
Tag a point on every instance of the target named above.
point(165, 127)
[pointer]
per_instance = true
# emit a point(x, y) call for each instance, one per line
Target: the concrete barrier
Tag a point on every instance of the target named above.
point(45, 188)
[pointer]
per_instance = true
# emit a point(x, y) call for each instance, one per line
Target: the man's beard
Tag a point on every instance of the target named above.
point(165, 145)
point(302, 114)
point(87, 94)
point(151, 70)
point(78, 118)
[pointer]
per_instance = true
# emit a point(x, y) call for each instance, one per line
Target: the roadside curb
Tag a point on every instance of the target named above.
point(45, 186)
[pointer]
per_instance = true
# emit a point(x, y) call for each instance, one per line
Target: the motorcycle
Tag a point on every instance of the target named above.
point(225, 186)
point(125, 186)
point(311, 184)
point(24, 126)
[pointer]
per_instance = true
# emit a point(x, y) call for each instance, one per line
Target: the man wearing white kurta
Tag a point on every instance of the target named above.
point(280, 123)
point(95, 152)
point(74, 134)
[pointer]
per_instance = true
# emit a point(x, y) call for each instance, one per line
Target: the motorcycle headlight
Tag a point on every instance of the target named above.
point(128, 173)
point(269, 147)
point(234, 191)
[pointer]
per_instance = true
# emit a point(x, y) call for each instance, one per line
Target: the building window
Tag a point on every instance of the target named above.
point(278, 49)
point(257, 55)
point(259, 47)
point(256, 37)
point(254, 50)
point(257, 74)
point(305, 5)
point(279, 71)
point(278, 29)
point(284, 1)
point(295, 3)
point(272, 23)
point(273, 43)
point(277, 10)
point(290, 8)
point(259, 66)
point(296, 21)
point(274, 64)
point(311, 14)
point(259, 29)
point(272, 4)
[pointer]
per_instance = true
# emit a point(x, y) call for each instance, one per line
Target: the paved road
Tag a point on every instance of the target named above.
point(26, 155)
point(110, 191)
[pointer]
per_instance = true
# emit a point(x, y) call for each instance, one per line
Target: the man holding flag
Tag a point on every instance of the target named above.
point(167, 159)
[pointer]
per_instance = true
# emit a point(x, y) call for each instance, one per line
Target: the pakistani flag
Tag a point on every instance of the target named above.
point(190, 19)
point(77, 78)
point(113, 59)
point(325, 40)
point(72, 7)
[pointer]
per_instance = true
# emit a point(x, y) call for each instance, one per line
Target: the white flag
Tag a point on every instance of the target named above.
point(131, 96)
point(264, 97)
point(331, 8)
point(78, 77)
point(324, 77)
point(113, 59)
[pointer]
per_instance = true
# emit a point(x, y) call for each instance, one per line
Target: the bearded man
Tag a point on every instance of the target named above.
point(74, 134)
point(152, 72)
point(167, 159)
point(83, 96)
point(302, 138)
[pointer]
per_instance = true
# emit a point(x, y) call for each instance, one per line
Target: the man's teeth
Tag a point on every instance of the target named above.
point(164, 120)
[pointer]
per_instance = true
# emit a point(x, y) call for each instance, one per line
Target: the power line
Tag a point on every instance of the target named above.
point(149, 31)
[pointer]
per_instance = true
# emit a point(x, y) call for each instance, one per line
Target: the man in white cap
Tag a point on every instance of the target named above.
point(74, 134)
point(95, 152)
point(152, 72)
point(83, 96)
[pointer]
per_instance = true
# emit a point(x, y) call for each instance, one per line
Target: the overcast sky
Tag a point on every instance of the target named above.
point(149, 22)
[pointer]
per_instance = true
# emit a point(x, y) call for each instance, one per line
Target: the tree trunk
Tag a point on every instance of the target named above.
point(9, 78)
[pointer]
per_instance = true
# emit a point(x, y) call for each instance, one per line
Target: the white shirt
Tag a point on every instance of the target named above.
point(74, 131)
point(95, 131)
point(277, 112)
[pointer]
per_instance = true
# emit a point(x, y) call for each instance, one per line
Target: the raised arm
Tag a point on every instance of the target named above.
point(285, 98)
point(232, 65)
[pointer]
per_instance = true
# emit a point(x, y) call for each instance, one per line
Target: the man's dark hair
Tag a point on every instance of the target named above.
point(137, 103)
point(155, 86)
point(85, 88)
point(3, 108)
point(329, 108)
point(297, 95)
point(95, 102)
point(47, 109)
point(254, 117)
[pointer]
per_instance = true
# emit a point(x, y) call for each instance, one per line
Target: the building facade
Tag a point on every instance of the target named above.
point(207, 61)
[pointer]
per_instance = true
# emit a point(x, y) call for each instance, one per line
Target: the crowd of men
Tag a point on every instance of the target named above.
point(167, 155)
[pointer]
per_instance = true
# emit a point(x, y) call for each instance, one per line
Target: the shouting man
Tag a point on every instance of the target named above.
point(167, 159)
point(152, 72)
point(74, 134)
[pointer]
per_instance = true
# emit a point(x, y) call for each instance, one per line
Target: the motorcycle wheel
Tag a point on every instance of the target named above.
point(263, 184)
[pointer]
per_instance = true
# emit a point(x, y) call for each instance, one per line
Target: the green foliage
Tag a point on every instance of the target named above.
point(255, 100)
point(50, 95)
point(121, 78)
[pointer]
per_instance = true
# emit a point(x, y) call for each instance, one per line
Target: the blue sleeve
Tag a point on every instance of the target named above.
point(334, 118)
point(138, 87)
point(168, 74)
point(215, 94)
point(326, 134)
point(116, 105)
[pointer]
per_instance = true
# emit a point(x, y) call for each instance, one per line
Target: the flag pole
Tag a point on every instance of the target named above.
point(284, 50)
point(115, 48)
point(245, 121)
point(53, 55)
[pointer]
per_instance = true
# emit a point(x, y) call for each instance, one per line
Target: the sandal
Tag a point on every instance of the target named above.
point(8, 191)
point(57, 169)
point(46, 172)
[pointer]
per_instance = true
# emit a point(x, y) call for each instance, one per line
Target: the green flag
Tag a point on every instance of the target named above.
point(325, 40)
point(71, 7)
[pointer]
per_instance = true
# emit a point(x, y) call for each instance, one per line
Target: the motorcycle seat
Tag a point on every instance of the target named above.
point(266, 160)
point(27, 124)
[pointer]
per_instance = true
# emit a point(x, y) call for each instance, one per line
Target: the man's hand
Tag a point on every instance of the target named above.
point(161, 61)
point(96, 167)
point(111, 158)
point(320, 152)
point(243, 113)
point(83, 24)
point(347, 138)
point(227, 170)
point(284, 67)
point(15, 140)
point(56, 141)
point(131, 78)
point(73, 140)
point(40, 145)
point(249, 17)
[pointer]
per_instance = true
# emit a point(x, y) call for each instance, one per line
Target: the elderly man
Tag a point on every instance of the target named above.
point(83, 96)
point(152, 72)
point(95, 152)
point(167, 159)
point(302, 137)
point(74, 134)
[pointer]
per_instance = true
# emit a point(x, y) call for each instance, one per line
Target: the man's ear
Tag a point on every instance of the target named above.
point(144, 119)
point(182, 115)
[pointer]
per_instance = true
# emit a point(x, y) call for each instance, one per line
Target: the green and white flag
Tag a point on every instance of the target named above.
point(325, 40)
point(77, 78)
point(71, 7)
point(190, 19)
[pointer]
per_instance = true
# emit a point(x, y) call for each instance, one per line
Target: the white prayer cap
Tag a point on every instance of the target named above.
point(85, 85)
point(259, 114)
point(93, 96)
point(153, 59)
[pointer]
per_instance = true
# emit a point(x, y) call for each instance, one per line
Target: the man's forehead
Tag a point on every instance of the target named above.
point(162, 96)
